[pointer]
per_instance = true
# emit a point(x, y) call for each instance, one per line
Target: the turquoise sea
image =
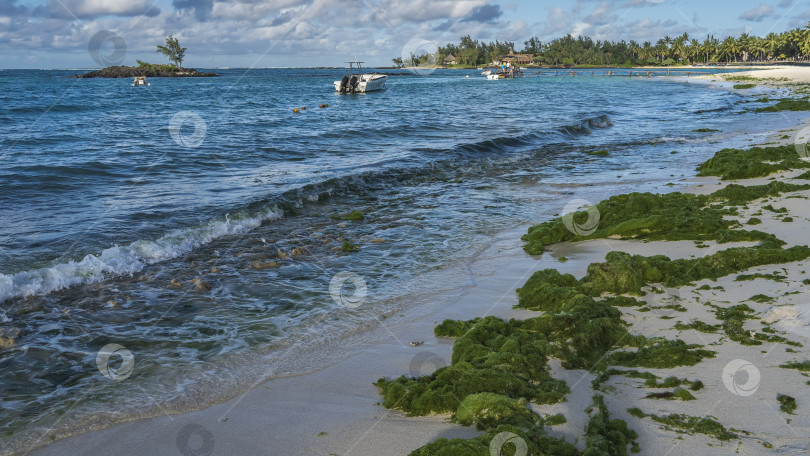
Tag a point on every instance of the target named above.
point(164, 248)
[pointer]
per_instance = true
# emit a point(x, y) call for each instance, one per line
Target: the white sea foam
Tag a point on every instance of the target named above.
point(127, 259)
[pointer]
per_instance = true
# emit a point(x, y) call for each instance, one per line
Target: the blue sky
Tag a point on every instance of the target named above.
point(240, 33)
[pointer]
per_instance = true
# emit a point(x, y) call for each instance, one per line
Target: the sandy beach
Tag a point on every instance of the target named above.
point(337, 411)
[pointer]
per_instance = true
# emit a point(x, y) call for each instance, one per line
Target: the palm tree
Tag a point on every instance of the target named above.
point(694, 50)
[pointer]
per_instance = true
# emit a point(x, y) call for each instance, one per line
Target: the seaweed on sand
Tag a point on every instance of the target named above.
point(787, 404)
point(605, 436)
point(665, 354)
point(689, 424)
point(671, 216)
point(486, 410)
point(754, 162)
point(787, 104)
point(624, 273)
point(537, 443)
point(493, 356)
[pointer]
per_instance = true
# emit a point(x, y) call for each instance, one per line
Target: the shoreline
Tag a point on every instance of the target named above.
point(236, 431)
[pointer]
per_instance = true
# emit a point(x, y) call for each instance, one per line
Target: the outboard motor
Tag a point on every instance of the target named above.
point(353, 83)
point(343, 83)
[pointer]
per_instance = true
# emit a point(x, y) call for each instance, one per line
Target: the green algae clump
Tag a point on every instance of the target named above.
point(354, 216)
point(605, 436)
point(485, 410)
point(349, 247)
point(754, 162)
point(689, 424)
point(787, 404)
point(787, 104)
point(536, 442)
point(671, 216)
point(493, 356)
point(665, 354)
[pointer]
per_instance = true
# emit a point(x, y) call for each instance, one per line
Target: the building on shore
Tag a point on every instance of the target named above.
point(518, 59)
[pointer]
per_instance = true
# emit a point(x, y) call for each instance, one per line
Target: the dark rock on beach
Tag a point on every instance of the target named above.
point(129, 72)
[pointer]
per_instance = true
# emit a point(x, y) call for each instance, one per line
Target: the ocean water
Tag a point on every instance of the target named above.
point(116, 201)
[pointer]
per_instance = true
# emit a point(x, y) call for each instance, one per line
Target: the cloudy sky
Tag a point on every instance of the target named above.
point(269, 33)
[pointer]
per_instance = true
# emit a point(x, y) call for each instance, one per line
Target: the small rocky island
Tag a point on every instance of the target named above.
point(152, 71)
point(172, 50)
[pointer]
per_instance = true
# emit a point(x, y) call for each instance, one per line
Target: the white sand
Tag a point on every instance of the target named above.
point(778, 75)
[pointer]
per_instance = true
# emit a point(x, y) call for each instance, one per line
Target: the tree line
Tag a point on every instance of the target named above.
point(792, 45)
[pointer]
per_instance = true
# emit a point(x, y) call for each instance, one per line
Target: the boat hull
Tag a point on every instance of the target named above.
point(367, 83)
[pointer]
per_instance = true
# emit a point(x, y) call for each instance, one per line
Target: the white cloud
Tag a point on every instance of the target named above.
point(84, 9)
point(758, 13)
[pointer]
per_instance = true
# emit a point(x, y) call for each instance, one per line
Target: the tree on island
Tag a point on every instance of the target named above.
point(173, 51)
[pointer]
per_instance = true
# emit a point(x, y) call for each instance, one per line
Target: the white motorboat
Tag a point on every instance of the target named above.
point(486, 73)
point(360, 83)
point(493, 76)
point(140, 81)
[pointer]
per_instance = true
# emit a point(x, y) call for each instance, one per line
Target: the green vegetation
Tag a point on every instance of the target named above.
point(733, 319)
point(349, 247)
point(586, 52)
point(740, 78)
point(698, 326)
point(354, 216)
point(754, 221)
point(705, 130)
point(156, 67)
point(773, 276)
point(173, 51)
point(605, 436)
point(493, 356)
point(744, 86)
point(498, 367)
point(679, 393)
point(803, 366)
point(537, 443)
point(624, 273)
point(486, 410)
point(754, 162)
point(787, 219)
point(556, 420)
point(787, 104)
point(780, 210)
point(761, 298)
point(787, 404)
point(671, 216)
point(665, 354)
point(688, 424)
point(599, 153)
